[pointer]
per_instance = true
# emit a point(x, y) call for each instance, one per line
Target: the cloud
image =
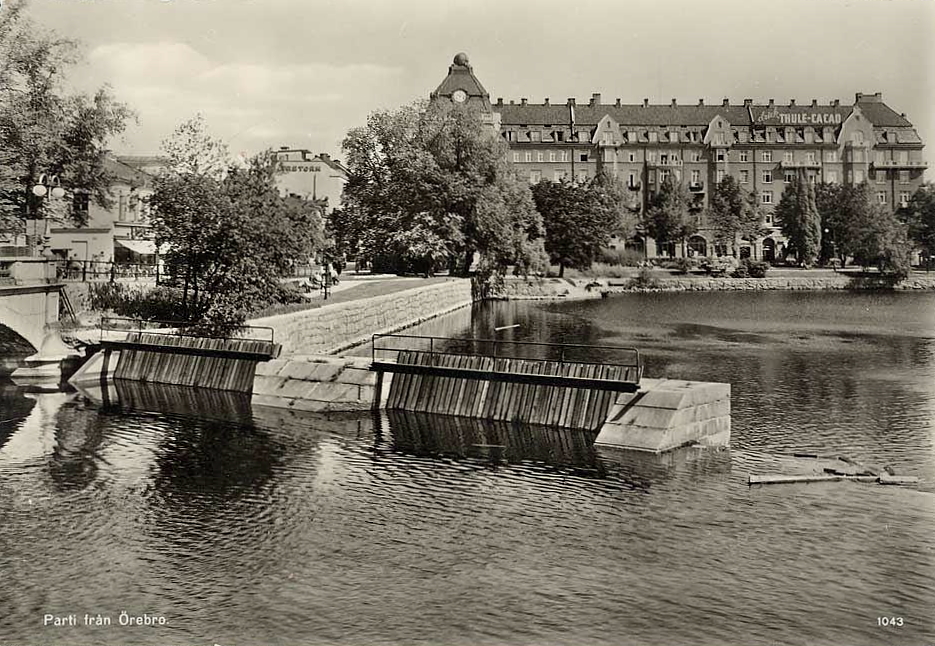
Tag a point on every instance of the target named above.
point(254, 103)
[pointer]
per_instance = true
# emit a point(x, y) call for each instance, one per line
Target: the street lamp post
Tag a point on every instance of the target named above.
point(834, 255)
point(47, 186)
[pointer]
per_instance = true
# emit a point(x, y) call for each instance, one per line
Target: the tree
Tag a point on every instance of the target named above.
point(920, 217)
point(579, 218)
point(734, 213)
point(430, 185)
point(230, 234)
point(43, 129)
point(876, 238)
point(797, 215)
point(668, 218)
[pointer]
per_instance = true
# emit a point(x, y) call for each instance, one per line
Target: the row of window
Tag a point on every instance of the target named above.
point(560, 156)
point(742, 156)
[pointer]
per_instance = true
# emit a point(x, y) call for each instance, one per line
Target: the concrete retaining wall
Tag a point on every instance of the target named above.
point(317, 384)
point(706, 283)
point(666, 414)
point(333, 328)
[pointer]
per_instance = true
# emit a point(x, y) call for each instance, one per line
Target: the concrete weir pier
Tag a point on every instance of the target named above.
point(666, 414)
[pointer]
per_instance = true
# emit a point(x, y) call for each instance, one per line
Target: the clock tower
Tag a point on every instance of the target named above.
point(462, 87)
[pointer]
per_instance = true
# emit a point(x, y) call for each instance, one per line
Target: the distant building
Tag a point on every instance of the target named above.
point(310, 176)
point(122, 232)
point(762, 146)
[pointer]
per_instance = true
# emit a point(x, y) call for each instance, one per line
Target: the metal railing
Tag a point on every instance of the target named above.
point(436, 346)
point(102, 270)
point(179, 328)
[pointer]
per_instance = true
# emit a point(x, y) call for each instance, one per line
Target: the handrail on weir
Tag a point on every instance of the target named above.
point(179, 328)
point(436, 346)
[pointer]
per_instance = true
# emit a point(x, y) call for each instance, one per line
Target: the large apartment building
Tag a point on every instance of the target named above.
point(762, 145)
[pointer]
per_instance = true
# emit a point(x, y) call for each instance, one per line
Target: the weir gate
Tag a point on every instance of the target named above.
point(566, 385)
point(574, 386)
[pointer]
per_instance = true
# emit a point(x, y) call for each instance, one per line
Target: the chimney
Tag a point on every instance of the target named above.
point(512, 102)
point(499, 101)
point(571, 100)
point(645, 103)
point(836, 102)
point(522, 101)
point(814, 103)
point(546, 102)
point(725, 102)
point(858, 96)
point(595, 99)
point(617, 103)
point(700, 101)
point(325, 156)
point(747, 103)
point(772, 103)
point(902, 114)
point(791, 103)
point(674, 103)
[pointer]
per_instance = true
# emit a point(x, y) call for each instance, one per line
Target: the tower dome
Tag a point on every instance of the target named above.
point(461, 59)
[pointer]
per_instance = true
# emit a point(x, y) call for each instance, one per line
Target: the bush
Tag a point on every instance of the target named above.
point(682, 265)
point(644, 280)
point(749, 268)
point(620, 257)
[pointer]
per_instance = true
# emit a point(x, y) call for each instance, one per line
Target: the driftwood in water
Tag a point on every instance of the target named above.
point(829, 477)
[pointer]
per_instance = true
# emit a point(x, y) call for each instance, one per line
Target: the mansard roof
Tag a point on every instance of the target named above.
point(625, 115)
point(750, 114)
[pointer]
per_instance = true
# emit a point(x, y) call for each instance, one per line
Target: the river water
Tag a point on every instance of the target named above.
point(256, 526)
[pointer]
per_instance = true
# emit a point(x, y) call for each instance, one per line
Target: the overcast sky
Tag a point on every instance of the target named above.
point(267, 73)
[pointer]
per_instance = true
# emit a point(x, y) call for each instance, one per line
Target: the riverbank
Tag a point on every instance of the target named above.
point(664, 281)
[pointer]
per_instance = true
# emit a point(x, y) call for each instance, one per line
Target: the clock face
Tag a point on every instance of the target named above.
point(459, 96)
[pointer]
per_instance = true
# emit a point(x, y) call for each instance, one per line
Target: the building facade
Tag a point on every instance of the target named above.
point(312, 177)
point(763, 146)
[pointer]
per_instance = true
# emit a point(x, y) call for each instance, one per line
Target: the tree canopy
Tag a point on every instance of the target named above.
point(231, 235)
point(668, 216)
point(580, 217)
point(734, 213)
point(798, 218)
point(44, 130)
point(920, 217)
point(430, 186)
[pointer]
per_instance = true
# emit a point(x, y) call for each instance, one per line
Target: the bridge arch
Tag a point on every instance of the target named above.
point(30, 311)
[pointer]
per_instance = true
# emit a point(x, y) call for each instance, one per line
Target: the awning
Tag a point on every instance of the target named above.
point(142, 247)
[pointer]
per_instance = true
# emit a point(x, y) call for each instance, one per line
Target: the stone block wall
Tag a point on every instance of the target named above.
point(666, 414)
point(333, 328)
point(316, 383)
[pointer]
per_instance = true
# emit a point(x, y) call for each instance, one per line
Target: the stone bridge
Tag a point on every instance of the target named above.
point(30, 311)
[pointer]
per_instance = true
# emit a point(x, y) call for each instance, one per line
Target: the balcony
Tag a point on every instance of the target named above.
point(798, 163)
point(696, 187)
point(893, 163)
point(666, 163)
point(634, 186)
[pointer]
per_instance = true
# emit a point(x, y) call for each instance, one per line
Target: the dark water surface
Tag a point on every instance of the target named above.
point(247, 526)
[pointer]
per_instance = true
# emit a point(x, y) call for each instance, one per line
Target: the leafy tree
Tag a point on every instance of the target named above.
point(44, 130)
point(191, 150)
point(431, 185)
point(876, 238)
point(230, 233)
point(579, 218)
point(797, 215)
point(920, 216)
point(668, 218)
point(734, 213)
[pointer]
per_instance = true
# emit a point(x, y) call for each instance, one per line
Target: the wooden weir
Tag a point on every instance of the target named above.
point(551, 392)
point(174, 357)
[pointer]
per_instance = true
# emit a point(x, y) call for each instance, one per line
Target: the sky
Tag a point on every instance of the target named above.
point(301, 73)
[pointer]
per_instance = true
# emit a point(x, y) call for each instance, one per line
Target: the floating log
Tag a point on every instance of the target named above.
point(809, 477)
point(887, 479)
point(829, 477)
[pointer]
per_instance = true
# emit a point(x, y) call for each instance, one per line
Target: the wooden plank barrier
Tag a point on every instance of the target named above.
point(502, 399)
point(221, 364)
